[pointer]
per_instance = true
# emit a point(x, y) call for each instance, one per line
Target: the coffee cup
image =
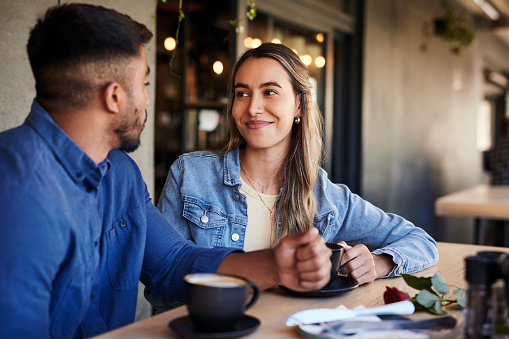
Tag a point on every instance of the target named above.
point(216, 302)
point(337, 255)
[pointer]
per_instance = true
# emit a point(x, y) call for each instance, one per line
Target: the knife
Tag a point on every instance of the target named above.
point(358, 326)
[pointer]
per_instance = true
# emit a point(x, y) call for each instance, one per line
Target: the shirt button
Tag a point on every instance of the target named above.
point(89, 189)
point(235, 237)
point(236, 196)
point(79, 174)
point(95, 243)
point(123, 223)
point(91, 296)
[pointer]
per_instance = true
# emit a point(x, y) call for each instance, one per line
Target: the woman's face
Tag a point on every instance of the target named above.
point(264, 105)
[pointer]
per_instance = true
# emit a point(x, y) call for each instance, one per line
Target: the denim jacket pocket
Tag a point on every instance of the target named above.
point(203, 215)
point(124, 264)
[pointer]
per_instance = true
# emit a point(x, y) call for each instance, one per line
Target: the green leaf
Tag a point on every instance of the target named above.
point(233, 23)
point(418, 283)
point(437, 309)
point(418, 307)
point(427, 299)
point(439, 283)
point(461, 297)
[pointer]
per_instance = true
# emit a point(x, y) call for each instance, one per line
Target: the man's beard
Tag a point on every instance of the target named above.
point(127, 141)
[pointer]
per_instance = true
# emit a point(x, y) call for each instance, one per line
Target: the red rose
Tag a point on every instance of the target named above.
point(393, 295)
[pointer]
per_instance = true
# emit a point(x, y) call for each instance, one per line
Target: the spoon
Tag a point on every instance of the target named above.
point(319, 315)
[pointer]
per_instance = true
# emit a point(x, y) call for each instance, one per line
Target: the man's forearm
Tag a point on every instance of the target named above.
point(300, 262)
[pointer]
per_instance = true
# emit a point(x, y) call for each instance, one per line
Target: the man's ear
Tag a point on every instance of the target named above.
point(113, 96)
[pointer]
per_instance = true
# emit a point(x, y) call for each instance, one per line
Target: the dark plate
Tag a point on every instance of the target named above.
point(185, 328)
point(340, 285)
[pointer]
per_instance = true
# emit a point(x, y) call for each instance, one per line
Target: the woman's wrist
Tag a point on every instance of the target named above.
point(383, 264)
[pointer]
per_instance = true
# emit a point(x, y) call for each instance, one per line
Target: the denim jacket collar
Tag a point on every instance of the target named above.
point(231, 169)
point(231, 174)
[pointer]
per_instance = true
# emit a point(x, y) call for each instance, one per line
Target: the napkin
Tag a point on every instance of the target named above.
point(320, 331)
point(319, 315)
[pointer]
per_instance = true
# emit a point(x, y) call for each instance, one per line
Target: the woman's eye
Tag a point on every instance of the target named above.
point(240, 94)
point(270, 92)
point(147, 83)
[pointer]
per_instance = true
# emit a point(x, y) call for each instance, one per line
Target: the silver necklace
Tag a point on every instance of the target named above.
point(271, 211)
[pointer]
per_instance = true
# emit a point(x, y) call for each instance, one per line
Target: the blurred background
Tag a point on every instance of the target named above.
point(413, 92)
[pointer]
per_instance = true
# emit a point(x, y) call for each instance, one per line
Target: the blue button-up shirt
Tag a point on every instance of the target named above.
point(76, 237)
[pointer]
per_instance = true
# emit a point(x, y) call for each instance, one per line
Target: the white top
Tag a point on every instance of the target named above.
point(258, 232)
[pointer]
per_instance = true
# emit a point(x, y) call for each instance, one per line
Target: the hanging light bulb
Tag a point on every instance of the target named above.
point(217, 67)
point(256, 43)
point(248, 42)
point(170, 43)
point(306, 59)
point(320, 61)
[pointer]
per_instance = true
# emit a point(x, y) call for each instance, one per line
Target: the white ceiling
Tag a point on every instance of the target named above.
point(500, 28)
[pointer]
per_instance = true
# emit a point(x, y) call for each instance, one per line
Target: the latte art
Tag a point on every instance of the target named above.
point(215, 281)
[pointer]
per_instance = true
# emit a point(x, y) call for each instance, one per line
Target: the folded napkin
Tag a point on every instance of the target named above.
point(321, 331)
point(320, 315)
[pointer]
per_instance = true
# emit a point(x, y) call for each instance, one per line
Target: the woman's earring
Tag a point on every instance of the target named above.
point(296, 121)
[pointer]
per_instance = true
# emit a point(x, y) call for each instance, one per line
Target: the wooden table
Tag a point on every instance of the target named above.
point(274, 306)
point(482, 201)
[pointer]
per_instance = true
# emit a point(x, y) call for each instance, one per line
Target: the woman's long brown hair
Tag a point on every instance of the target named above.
point(298, 174)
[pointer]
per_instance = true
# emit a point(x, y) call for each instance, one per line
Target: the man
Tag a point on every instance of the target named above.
point(77, 227)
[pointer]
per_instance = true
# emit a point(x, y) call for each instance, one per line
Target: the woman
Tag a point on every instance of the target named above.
point(263, 179)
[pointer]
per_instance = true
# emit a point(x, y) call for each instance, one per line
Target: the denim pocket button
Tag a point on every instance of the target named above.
point(235, 237)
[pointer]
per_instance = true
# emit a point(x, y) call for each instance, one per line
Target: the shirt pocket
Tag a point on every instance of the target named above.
point(126, 245)
point(208, 223)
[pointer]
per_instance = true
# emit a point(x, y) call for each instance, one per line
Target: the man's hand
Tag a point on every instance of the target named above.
point(300, 262)
point(303, 261)
point(363, 266)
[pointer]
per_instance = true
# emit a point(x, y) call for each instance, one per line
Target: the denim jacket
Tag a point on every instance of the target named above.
point(203, 201)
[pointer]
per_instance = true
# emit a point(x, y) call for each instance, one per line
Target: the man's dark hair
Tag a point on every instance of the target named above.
point(76, 49)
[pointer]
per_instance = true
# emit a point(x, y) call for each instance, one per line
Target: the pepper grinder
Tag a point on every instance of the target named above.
point(481, 273)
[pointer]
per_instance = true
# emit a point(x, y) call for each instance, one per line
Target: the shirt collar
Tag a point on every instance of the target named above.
point(77, 163)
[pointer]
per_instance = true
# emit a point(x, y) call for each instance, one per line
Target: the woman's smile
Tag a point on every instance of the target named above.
point(257, 124)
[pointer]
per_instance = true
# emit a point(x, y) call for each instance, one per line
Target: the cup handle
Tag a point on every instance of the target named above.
point(254, 298)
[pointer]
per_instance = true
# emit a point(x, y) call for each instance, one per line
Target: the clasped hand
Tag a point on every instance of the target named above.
point(303, 261)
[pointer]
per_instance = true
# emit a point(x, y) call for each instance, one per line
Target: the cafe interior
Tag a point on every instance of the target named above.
point(411, 114)
point(413, 94)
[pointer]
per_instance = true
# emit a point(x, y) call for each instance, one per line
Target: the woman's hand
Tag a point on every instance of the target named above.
point(363, 266)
